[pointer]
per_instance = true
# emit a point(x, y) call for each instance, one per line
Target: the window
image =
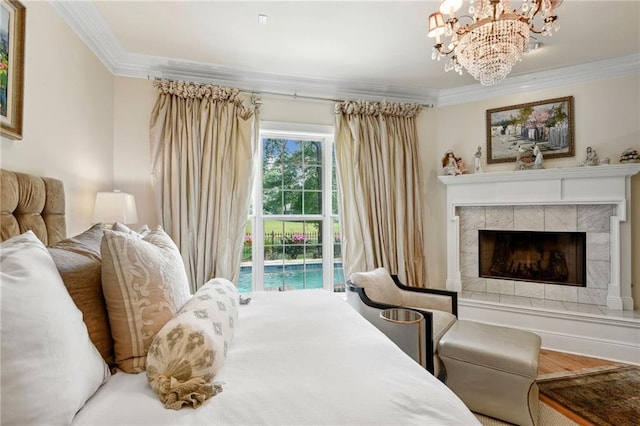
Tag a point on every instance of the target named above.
point(292, 240)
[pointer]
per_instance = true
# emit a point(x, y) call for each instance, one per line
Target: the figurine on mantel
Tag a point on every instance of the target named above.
point(630, 155)
point(538, 162)
point(450, 164)
point(478, 161)
point(591, 159)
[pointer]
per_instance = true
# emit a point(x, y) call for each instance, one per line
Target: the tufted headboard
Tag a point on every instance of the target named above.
point(33, 203)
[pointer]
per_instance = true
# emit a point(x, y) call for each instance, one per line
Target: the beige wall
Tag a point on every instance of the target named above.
point(133, 100)
point(606, 118)
point(68, 114)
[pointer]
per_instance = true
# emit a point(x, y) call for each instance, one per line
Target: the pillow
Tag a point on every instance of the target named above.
point(79, 264)
point(188, 351)
point(378, 286)
point(49, 365)
point(124, 228)
point(144, 284)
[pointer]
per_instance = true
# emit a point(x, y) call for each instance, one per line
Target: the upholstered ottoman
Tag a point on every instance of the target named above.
point(493, 369)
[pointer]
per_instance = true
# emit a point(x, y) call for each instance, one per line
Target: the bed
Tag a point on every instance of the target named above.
point(294, 358)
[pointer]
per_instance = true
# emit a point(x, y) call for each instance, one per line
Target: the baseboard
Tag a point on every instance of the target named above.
point(604, 337)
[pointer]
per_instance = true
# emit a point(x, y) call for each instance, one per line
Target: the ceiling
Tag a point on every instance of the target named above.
point(331, 47)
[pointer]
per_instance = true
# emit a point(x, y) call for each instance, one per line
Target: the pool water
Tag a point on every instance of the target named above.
point(291, 277)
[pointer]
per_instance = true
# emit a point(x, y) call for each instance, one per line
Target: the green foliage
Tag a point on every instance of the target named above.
point(292, 177)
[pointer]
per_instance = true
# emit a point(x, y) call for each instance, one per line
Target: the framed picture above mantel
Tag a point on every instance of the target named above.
point(547, 124)
point(12, 35)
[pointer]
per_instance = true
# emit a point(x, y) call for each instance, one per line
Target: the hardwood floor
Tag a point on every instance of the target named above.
point(558, 362)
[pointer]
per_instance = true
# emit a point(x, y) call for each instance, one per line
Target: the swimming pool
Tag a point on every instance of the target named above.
point(289, 276)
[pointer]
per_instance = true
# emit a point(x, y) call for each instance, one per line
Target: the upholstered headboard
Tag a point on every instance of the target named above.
point(33, 203)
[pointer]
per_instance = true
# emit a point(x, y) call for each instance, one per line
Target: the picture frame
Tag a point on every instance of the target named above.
point(548, 124)
point(12, 37)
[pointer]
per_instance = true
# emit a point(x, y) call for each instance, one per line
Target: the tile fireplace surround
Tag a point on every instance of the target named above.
point(594, 320)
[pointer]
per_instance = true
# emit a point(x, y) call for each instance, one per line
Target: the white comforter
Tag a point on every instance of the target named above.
point(298, 357)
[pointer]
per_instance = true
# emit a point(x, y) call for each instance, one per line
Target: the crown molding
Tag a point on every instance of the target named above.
point(85, 19)
point(599, 70)
point(87, 22)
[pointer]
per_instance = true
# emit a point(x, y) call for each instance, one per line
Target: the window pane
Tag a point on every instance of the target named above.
point(313, 178)
point(246, 266)
point(312, 202)
point(312, 153)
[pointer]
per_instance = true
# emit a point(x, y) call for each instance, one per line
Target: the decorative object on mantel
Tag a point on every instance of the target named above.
point(630, 155)
point(538, 159)
point(491, 44)
point(524, 158)
point(548, 124)
point(453, 165)
point(591, 159)
point(478, 161)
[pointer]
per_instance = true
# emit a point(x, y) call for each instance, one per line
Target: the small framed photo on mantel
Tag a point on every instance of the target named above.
point(547, 124)
point(12, 34)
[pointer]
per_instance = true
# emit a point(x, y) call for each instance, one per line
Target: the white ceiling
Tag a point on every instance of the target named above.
point(330, 46)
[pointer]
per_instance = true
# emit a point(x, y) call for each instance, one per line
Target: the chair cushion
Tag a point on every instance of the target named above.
point(442, 322)
point(379, 286)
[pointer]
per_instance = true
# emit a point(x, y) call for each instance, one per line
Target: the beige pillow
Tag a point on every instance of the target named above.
point(144, 284)
point(49, 368)
point(190, 349)
point(378, 286)
point(79, 264)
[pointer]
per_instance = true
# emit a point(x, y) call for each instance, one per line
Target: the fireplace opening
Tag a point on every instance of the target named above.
point(544, 257)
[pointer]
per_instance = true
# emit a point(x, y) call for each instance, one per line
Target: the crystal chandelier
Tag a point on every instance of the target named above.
point(494, 40)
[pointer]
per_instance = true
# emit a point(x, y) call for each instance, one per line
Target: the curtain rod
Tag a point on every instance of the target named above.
point(316, 98)
point(292, 95)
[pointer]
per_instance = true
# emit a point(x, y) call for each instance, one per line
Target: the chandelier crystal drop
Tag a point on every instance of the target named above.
point(494, 40)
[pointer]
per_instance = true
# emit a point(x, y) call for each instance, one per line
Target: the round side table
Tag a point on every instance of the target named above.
point(407, 316)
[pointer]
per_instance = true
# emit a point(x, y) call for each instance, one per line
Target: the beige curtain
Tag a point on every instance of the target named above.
point(379, 189)
point(202, 151)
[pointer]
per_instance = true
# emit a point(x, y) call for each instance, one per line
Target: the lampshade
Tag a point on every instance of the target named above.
point(114, 207)
point(436, 25)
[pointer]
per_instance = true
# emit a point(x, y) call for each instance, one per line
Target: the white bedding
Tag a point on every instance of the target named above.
point(298, 357)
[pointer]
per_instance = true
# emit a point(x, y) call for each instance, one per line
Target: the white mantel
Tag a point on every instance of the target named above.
point(562, 186)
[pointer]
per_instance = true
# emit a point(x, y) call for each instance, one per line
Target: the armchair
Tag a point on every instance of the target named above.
point(372, 292)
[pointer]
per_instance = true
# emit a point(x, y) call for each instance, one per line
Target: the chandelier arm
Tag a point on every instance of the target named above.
point(540, 31)
point(440, 48)
point(538, 6)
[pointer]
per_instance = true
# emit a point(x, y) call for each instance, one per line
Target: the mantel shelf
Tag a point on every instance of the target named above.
point(628, 169)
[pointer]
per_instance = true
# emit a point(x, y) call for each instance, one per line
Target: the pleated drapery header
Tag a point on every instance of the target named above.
point(188, 90)
point(378, 108)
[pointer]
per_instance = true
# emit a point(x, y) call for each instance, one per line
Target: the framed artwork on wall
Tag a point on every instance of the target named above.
point(547, 124)
point(12, 34)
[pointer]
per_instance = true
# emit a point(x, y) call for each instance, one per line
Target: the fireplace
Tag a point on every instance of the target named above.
point(542, 257)
point(594, 200)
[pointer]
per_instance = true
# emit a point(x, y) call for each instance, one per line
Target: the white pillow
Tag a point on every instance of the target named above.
point(49, 365)
point(188, 351)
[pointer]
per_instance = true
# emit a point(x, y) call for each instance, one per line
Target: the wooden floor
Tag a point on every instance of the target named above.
point(558, 362)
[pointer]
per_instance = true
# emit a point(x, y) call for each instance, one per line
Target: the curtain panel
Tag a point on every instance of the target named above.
point(379, 189)
point(202, 150)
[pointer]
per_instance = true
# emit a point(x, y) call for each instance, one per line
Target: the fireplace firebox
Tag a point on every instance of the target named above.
point(534, 256)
